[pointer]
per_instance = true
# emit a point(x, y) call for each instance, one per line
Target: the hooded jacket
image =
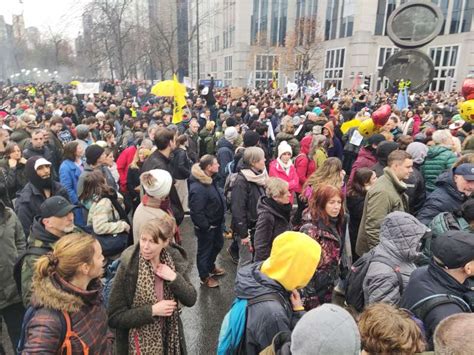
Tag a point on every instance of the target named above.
point(445, 198)
point(21, 137)
point(304, 165)
point(44, 152)
point(206, 201)
point(438, 160)
point(225, 154)
point(365, 159)
point(400, 235)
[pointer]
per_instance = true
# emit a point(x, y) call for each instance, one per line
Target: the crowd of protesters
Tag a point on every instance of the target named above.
point(106, 179)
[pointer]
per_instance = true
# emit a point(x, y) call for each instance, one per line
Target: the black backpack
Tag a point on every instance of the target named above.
point(424, 306)
point(36, 251)
point(354, 292)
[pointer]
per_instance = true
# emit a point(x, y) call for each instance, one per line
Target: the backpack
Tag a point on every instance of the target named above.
point(36, 251)
point(442, 223)
point(109, 280)
point(354, 292)
point(229, 184)
point(232, 333)
point(66, 332)
point(424, 306)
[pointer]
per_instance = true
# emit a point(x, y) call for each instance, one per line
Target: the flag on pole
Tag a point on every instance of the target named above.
point(402, 99)
point(179, 101)
point(274, 77)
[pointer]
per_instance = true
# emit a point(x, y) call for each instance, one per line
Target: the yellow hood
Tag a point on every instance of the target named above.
point(293, 260)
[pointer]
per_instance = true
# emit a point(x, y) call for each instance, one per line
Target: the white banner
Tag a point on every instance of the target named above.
point(88, 88)
point(331, 93)
point(292, 88)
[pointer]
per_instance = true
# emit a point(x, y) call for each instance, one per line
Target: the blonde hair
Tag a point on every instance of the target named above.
point(327, 174)
point(136, 159)
point(276, 187)
point(162, 228)
point(68, 254)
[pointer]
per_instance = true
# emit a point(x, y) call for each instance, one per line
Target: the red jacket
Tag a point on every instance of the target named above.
point(365, 159)
point(292, 178)
point(303, 164)
point(123, 162)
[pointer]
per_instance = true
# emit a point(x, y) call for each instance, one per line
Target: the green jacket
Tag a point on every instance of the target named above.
point(386, 196)
point(123, 317)
point(438, 160)
point(208, 142)
point(13, 243)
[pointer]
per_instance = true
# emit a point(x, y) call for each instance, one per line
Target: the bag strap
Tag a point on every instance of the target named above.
point(67, 345)
point(427, 304)
point(268, 297)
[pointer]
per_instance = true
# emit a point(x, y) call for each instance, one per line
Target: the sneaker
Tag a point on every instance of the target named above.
point(210, 282)
point(235, 259)
point(218, 272)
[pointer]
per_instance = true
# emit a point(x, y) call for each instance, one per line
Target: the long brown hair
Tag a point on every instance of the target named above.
point(319, 200)
point(95, 186)
point(327, 174)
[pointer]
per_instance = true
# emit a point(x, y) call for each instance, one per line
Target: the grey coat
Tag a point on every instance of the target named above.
point(400, 235)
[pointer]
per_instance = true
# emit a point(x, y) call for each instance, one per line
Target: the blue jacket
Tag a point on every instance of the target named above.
point(69, 174)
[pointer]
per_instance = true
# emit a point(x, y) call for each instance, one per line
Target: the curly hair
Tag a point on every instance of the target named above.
point(385, 329)
point(327, 174)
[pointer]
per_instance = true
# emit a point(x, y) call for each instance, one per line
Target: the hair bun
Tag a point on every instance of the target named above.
point(53, 259)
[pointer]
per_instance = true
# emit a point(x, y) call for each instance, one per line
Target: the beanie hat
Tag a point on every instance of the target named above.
point(384, 149)
point(251, 139)
point(157, 183)
point(375, 139)
point(336, 330)
point(467, 127)
point(93, 153)
point(293, 260)
point(231, 134)
point(283, 148)
point(418, 152)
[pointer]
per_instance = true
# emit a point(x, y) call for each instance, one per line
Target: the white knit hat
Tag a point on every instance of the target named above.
point(284, 147)
point(231, 134)
point(158, 187)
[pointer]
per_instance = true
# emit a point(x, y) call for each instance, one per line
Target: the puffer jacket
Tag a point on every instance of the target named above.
point(416, 190)
point(290, 139)
point(85, 308)
point(438, 160)
point(304, 165)
point(21, 137)
point(400, 235)
point(445, 198)
point(276, 170)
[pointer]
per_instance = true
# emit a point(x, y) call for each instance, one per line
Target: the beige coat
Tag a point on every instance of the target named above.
point(142, 215)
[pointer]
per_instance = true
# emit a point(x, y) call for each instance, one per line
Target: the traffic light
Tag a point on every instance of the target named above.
point(367, 82)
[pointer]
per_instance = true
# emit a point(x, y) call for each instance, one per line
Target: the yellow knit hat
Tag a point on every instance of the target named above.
point(293, 260)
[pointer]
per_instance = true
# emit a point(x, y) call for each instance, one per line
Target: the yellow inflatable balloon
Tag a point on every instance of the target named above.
point(466, 111)
point(350, 124)
point(367, 128)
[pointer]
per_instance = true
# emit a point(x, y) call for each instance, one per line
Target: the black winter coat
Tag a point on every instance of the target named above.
point(180, 164)
point(225, 154)
point(272, 221)
point(415, 190)
point(206, 201)
point(355, 207)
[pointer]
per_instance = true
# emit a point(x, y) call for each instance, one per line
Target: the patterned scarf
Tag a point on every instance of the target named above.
point(161, 336)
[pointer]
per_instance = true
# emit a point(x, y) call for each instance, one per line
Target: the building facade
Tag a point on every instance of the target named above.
point(255, 42)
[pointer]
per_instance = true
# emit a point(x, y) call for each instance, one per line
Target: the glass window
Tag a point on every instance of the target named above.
point(456, 16)
point(445, 59)
point(334, 68)
point(467, 16)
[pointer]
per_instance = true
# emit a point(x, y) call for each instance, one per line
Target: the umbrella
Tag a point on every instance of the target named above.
point(168, 88)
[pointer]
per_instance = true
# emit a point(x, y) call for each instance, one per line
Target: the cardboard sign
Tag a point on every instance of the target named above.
point(88, 88)
point(236, 93)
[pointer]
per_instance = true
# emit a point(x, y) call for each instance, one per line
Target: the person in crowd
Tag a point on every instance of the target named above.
point(385, 329)
point(247, 189)
point(283, 168)
point(37, 147)
point(274, 211)
point(366, 157)
point(70, 111)
point(225, 153)
point(318, 150)
point(453, 187)
point(362, 181)
point(446, 274)
point(40, 186)
point(67, 284)
point(452, 335)
point(334, 144)
point(400, 237)
point(286, 134)
point(207, 139)
point(207, 209)
point(193, 140)
point(161, 159)
point(69, 172)
point(148, 292)
point(13, 245)
point(440, 158)
point(133, 175)
point(416, 191)
point(4, 138)
point(337, 334)
point(382, 152)
point(12, 173)
point(55, 220)
point(181, 166)
point(83, 136)
point(55, 144)
point(293, 260)
point(328, 228)
point(110, 164)
point(106, 211)
point(23, 128)
point(330, 173)
point(387, 195)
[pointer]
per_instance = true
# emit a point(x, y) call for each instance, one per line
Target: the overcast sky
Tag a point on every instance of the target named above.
point(60, 15)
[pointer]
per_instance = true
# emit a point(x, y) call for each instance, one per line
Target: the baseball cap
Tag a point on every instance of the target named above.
point(466, 171)
point(454, 248)
point(56, 206)
point(40, 162)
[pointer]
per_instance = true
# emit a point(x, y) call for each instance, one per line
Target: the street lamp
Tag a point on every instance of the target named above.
point(35, 69)
point(23, 70)
point(46, 70)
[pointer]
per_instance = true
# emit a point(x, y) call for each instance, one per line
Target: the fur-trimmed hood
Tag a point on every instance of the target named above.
point(200, 175)
point(56, 293)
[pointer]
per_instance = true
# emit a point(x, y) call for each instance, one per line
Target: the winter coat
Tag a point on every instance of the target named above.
point(387, 195)
point(193, 146)
point(86, 311)
point(21, 137)
point(133, 181)
point(13, 243)
point(180, 164)
point(123, 162)
point(7, 186)
point(143, 214)
point(29, 200)
point(15, 176)
point(243, 206)
point(438, 160)
point(206, 201)
point(319, 289)
point(104, 218)
point(69, 174)
point(431, 280)
point(416, 190)
point(158, 161)
point(355, 207)
point(400, 235)
point(56, 147)
point(304, 165)
point(445, 198)
point(44, 152)
point(272, 316)
point(225, 154)
point(365, 159)
point(290, 139)
point(109, 179)
point(271, 222)
point(276, 170)
point(207, 142)
point(123, 317)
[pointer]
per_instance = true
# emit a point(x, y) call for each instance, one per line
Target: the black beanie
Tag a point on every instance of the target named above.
point(384, 149)
point(251, 139)
point(93, 153)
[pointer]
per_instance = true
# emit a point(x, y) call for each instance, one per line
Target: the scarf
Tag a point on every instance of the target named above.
point(161, 336)
point(257, 178)
point(286, 167)
point(283, 210)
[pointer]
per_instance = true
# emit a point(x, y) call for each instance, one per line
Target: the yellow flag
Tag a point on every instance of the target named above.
point(179, 100)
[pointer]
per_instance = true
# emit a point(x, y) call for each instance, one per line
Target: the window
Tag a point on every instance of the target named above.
point(279, 15)
point(215, 44)
point(443, 4)
point(334, 68)
point(331, 19)
point(228, 35)
point(467, 16)
point(347, 18)
point(384, 54)
point(213, 65)
point(384, 9)
point(266, 68)
point(461, 16)
point(228, 70)
point(305, 24)
point(202, 71)
point(444, 60)
point(259, 22)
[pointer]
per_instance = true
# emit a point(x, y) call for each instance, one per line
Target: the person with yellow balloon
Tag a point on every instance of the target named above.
point(466, 108)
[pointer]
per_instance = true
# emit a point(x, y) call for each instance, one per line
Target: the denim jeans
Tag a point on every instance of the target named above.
point(210, 243)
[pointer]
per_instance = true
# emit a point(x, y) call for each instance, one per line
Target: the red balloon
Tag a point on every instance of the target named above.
point(468, 88)
point(380, 116)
